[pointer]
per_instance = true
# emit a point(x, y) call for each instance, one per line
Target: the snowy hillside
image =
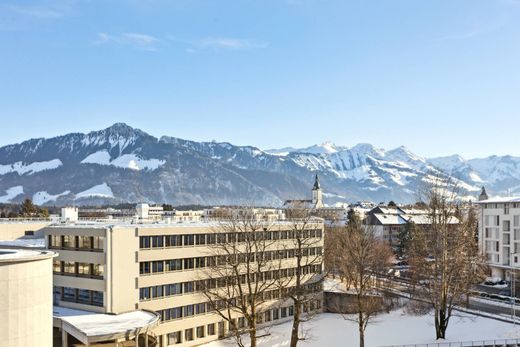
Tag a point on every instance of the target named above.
point(124, 164)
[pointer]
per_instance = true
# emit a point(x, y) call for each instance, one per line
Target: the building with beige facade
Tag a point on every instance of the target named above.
point(25, 298)
point(120, 268)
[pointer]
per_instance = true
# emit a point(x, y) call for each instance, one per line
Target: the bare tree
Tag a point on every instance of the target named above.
point(242, 276)
point(444, 255)
point(363, 256)
point(307, 242)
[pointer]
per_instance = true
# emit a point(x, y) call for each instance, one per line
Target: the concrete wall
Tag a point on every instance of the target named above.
point(26, 303)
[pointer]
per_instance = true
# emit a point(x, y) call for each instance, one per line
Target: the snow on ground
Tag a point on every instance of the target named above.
point(394, 328)
point(101, 190)
point(126, 161)
point(31, 168)
point(42, 197)
point(11, 193)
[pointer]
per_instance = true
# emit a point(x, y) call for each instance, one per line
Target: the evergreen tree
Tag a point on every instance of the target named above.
point(404, 236)
point(28, 208)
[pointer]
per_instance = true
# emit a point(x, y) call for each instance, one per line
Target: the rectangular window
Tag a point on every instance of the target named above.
point(144, 267)
point(189, 310)
point(174, 338)
point(69, 294)
point(189, 263)
point(84, 242)
point(157, 242)
point(144, 242)
point(200, 308)
point(84, 269)
point(200, 262)
point(200, 332)
point(188, 334)
point(55, 241)
point(56, 266)
point(68, 241)
point(173, 265)
point(69, 267)
point(97, 298)
point(98, 242)
point(173, 240)
point(211, 329)
point(189, 287)
point(506, 225)
point(284, 312)
point(98, 270)
point(189, 240)
point(200, 239)
point(144, 293)
point(174, 289)
point(84, 296)
point(157, 266)
point(176, 312)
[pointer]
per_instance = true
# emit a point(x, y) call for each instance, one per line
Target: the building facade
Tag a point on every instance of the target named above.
point(119, 268)
point(26, 298)
point(499, 234)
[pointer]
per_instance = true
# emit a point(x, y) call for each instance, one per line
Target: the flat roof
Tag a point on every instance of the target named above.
point(97, 327)
point(498, 200)
point(9, 255)
point(24, 243)
point(183, 224)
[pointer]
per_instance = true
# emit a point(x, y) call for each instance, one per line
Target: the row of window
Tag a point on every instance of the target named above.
point(266, 316)
point(80, 296)
point(162, 241)
point(70, 268)
point(160, 266)
point(172, 289)
point(82, 243)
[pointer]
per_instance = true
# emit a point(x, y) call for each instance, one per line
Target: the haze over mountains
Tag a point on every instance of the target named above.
point(124, 164)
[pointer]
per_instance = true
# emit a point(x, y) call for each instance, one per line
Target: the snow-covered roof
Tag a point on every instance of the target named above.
point(499, 199)
point(24, 243)
point(8, 255)
point(389, 219)
point(97, 327)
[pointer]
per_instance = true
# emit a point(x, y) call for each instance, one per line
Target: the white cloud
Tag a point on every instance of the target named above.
point(15, 16)
point(220, 43)
point(136, 40)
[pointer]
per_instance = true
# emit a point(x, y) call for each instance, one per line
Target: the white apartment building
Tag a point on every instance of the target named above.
point(499, 234)
point(122, 268)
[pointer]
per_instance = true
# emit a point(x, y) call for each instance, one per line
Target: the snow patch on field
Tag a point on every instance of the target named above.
point(43, 197)
point(11, 193)
point(99, 191)
point(31, 168)
point(126, 161)
point(394, 328)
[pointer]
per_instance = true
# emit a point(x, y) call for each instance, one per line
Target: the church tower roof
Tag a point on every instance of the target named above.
point(316, 183)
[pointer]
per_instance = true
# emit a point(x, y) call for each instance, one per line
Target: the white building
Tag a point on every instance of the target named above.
point(499, 233)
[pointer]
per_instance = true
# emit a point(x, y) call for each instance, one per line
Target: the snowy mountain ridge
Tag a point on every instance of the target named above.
point(124, 164)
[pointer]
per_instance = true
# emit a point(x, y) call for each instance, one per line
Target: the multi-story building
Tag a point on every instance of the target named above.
point(120, 268)
point(499, 234)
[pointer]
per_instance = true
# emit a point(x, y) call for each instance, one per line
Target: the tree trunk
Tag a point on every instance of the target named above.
point(252, 336)
point(440, 325)
point(295, 325)
point(361, 324)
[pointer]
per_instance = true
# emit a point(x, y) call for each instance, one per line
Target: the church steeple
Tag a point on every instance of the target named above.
point(483, 195)
point(316, 183)
point(317, 195)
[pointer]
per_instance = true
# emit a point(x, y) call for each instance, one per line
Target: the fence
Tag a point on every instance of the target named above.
point(484, 343)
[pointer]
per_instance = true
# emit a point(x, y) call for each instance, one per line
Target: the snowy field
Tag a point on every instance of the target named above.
point(395, 328)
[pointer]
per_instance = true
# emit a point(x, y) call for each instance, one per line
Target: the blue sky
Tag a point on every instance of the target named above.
point(438, 76)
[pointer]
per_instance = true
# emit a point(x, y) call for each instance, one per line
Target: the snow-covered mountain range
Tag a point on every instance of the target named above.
point(124, 164)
